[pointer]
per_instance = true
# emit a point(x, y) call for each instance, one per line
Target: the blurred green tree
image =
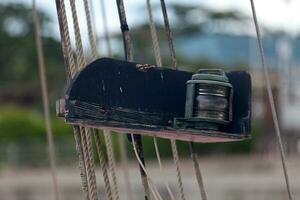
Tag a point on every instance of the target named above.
point(19, 82)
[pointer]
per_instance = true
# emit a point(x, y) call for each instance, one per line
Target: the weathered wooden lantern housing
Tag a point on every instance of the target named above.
point(209, 106)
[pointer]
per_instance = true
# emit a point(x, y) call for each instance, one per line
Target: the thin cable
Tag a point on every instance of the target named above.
point(91, 33)
point(161, 170)
point(103, 164)
point(271, 99)
point(152, 185)
point(169, 33)
point(197, 171)
point(111, 162)
point(45, 98)
point(71, 69)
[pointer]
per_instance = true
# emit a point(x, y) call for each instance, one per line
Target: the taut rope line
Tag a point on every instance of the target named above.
point(158, 60)
point(129, 57)
point(111, 162)
point(85, 133)
point(71, 70)
point(103, 164)
point(45, 98)
point(173, 142)
point(271, 99)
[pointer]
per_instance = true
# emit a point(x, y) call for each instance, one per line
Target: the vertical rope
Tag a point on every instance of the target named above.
point(153, 31)
point(107, 136)
point(169, 33)
point(79, 49)
point(125, 31)
point(178, 171)
point(173, 143)
point(82, 167)
point(91, 34)
point(129, 57)
point(159, 63)
point(105, 27)
point(271, 99)
point(45, 98)
point(197, 170)
point(161, 170)
point(71, 69)
point(65, 39)
point(103, 164)
point(86, 137)
point(124, 163)
point(142, 165)
point(111, 162)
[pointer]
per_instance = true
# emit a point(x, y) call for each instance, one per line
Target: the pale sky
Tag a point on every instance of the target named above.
point(275, 14)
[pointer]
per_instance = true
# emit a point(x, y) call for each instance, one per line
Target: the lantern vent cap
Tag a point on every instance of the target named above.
point(211, 74)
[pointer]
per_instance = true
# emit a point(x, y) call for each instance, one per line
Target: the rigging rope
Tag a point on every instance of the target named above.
point(271, 98)
point(111, 162)
point(129, 57)
point(103, 164)
point(151, 185)
point(91, 34)
point(71, 70)
point(161, 170)
point(85, 133)
point(107, 135)
point(169, 33)
point(197, 170)
point(157, 54)
point(173, 142)
point(44, 88)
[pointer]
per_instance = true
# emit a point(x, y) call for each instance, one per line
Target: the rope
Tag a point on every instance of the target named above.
point(103, 165)
point(111, 162)
point(173, 142)
point(105, 27)
point(153, 31)
point(45, 97)
point(159, 63)
point(161, 170)
point(271, 99)
point(85, 133)
point(178, 171)
point(129, 57)
point(89, 160)
point(152, 185)
point(169, 33)
point(92, 40)
point(197, 170)
point(65, 39)
point(79, 49)
point(125, 31)
point(71, 70)
point(124, 162)
point(82, 167)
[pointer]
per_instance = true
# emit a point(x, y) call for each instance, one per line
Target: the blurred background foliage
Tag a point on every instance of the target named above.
point(22, 131)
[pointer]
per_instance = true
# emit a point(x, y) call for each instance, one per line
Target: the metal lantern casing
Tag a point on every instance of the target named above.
point(208, 101)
